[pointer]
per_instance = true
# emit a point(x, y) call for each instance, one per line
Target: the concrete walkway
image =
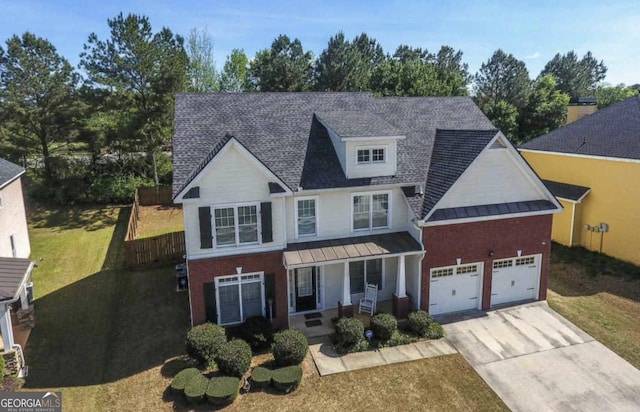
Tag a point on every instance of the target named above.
point(329, 362)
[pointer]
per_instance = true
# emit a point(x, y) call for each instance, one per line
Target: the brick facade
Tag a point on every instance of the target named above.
point(206, 270)
point(473, 242)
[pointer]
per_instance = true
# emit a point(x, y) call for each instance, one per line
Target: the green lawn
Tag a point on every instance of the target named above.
point(599, 294)
point(111, 339)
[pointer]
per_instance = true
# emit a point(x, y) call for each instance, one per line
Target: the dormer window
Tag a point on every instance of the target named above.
point(368, 155)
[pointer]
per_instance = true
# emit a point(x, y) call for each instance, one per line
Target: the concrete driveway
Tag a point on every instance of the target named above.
point(536, 360)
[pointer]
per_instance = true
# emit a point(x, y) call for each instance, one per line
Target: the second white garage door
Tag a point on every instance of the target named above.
point(455, 288)
point(515, 279)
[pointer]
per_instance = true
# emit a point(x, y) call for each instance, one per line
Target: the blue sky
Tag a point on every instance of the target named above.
point(533, 31)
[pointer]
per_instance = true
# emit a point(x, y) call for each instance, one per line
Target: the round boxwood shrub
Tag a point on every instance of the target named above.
point(349, 331)
point(287, 379)
point(258, 332)
point(418, 322)
point(234, 358)
point(222, 390)
point(2, 366)
point(261, 377)
point(203, 341)
point(196, 388)
point(383, 325)
point(289, 347)
point(181, 379)
point(435, 331)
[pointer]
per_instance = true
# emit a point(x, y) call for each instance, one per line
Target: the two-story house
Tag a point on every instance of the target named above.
point(16, 311)
point(293, 202)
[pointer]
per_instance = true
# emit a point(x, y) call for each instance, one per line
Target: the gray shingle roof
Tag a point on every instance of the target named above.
point(281, 130)
point(566, 190)
point(610, 132)
point(13, 274)
point(354, 123)
point(453, 152)
point(8, 171)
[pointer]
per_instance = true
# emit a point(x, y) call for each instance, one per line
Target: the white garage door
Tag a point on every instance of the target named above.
point(455, 288)
point(515, 279)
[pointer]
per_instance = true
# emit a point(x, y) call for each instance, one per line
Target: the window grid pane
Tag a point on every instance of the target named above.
point(229, 303)
point(374, 272)
point(225, 226)
point(377, 155)
point(306, 217)
point(356, 275)
point(248, 223)
point(251, 299)
point(361, 212)
point(380, 210)
point(364, 156)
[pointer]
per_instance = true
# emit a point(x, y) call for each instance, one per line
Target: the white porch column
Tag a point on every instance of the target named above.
point(5, 328)
point(346, 286)
point(401, 283)
point(24, 301)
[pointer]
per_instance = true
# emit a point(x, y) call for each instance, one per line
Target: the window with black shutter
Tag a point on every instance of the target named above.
point(267, 222)
point(206, 241)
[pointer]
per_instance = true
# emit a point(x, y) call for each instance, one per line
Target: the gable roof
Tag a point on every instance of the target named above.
point(610, 132)
point(566, 190)
point(8, 172)
point(282, 131)
point(453, 152)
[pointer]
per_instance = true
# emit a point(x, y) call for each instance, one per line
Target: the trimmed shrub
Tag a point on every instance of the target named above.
point(181, 379)
point(435, 331)
point(383, 325)
point(287, 379)
point(349, 331)
point(234, 358)
point(222, 390)
point(261, 377)
point(196, 388)
point(204, 341)
point(258, 332)
point(418, 322)
point(289, 347)
point(2, 366)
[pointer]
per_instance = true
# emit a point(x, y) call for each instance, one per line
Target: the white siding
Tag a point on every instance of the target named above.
point(494, 177)
point(231, 179)
point(334, 215)
point(13, 221)
point(354, 170)
point(412, 273)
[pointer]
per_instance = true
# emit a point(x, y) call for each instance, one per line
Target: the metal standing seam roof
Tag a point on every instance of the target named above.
point(14, 272)
point(610, 132)
point(453, 213)
point(282, 131)
point(8, 171)
point(326, 251)
point(566, 190)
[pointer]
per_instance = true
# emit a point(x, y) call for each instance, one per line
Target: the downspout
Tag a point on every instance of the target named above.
point(573, 217)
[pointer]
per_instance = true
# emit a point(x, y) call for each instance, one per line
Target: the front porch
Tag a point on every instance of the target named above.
point(326, 327)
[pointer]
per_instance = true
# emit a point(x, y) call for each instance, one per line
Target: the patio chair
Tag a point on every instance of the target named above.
point(368, 302)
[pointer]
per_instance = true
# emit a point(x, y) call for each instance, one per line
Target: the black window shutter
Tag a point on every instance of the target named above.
point(206, 241)
point(209, 289)
point(270, 293)
point(267, 222)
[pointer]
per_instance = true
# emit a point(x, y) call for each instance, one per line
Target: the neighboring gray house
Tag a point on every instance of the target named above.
point(16, 311)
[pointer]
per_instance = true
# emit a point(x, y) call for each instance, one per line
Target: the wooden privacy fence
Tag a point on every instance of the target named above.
point(148, 196)
point(168, 247)
point(162, 248)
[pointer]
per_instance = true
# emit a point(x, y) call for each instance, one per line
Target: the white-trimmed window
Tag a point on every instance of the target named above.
point(236, 225)
point(373, 154)
point(306, 216)
point(365, 272)
point(239, 297)
point(370, 210)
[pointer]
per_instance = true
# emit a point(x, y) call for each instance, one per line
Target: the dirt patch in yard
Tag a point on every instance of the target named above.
point(158, 220)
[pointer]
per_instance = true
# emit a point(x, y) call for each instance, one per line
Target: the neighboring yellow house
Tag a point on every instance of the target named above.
point(580, 107)
point(593, 167)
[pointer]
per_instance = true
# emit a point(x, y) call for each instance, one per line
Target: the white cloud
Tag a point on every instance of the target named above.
point(532, 56)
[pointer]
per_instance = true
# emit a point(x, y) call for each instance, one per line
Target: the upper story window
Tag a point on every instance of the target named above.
point(374, 154)
point(236, 225)
point(370, 211)
point(306, 217)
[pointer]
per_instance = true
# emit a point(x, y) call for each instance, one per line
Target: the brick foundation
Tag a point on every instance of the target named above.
point(206, 270)
point(400, 306)
point(473, 242)
point(345, 311)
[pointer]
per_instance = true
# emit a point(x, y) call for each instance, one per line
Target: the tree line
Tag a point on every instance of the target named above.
point(106, 126)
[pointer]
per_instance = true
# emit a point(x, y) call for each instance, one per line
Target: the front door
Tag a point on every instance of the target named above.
point(305, 289)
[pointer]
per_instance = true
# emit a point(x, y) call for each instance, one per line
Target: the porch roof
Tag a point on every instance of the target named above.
point(14, 272)
point(325, 251)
